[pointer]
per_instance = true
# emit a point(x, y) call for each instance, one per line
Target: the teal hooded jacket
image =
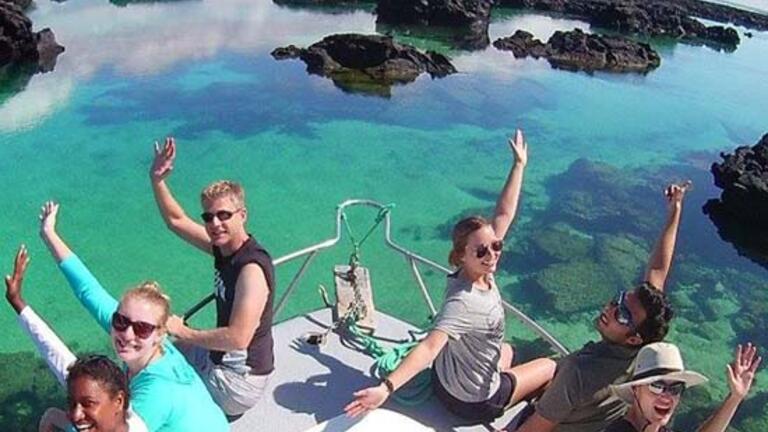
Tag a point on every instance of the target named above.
point(168, 394)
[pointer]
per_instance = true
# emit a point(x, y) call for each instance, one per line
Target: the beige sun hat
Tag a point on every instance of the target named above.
point(656, 362)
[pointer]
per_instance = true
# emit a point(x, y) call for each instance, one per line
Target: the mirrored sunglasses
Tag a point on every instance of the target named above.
point(622, 313)
point(221, 215)
point(483, 250)
point(671, 388)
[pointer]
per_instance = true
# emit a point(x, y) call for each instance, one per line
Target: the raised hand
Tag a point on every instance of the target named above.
point(741, 372)
point(48, 213)
point(53, 420)
point(675, 193)
point(367, 400)
point(164, 157)
point(13, 283)
point(519, 147)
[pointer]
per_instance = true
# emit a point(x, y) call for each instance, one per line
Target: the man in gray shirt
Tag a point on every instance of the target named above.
point(579, 399)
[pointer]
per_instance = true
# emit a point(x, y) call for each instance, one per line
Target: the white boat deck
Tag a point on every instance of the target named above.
point(312, 384)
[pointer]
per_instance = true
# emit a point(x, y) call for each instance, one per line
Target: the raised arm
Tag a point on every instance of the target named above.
point(97, 301)
point(661, 258)
point(48, 344)
point(741, 374)
point(251, 293)
point(173, 214)
point(417, 360)
point(506, 206)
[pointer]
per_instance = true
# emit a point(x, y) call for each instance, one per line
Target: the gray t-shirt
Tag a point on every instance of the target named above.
point(473, 318)
point(579, 398)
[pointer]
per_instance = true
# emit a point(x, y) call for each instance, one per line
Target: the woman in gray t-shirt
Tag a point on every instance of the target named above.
point(473, 372)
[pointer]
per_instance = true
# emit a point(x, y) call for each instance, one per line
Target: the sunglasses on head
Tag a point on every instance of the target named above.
point(221, 215)
point(671, 388)
point(622, 313)
point(483, 249)
point(141, 329)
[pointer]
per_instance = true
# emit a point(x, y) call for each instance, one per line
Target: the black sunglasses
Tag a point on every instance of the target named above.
point(483, 250)
point(670, 388)
point(141, 329)
point(622, 313)
point(221, 215)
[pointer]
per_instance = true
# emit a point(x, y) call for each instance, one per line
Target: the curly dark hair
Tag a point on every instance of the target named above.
point(658, 313)
point(103, 370)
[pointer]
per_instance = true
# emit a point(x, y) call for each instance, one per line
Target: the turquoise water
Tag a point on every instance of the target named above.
point(201, 71)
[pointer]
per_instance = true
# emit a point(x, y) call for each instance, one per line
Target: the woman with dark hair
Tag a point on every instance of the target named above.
point(472, 367)
point(97, 389)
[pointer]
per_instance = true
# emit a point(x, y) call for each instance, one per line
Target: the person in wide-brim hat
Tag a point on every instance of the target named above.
point(659, 380)
point(656, 362)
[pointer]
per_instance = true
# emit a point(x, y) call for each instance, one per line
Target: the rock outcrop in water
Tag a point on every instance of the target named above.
point(470, 17)
point(741, 213)
point(575, 50)
point(20, 47)
point(23, 4)
point(653, 17)
point(367, 63)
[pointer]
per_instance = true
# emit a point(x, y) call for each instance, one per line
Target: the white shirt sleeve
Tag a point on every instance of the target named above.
point(51, 348)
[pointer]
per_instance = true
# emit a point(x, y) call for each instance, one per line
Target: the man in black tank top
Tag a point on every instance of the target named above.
point(236, 358)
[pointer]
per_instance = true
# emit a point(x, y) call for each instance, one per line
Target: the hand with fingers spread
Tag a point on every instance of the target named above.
point(48, 214)
point(164, 157)
point(741, 372)
point(519, 147)
point(13, 283)
point(367, 400)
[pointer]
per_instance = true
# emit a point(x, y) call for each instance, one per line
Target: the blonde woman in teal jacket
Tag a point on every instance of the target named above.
point(165, 390)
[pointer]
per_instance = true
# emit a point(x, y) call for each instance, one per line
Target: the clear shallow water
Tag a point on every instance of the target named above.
point(201, 71)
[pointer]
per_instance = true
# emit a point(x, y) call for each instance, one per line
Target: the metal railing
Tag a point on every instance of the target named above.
point(412, 258)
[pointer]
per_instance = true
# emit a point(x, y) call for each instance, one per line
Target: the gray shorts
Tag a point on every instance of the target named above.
point(233, 388)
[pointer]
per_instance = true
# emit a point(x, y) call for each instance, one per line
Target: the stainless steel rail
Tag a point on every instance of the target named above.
point(412, 258)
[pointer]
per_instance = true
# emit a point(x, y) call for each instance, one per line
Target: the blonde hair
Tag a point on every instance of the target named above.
point(150, 291)
point(461, 232)
point(224, 189)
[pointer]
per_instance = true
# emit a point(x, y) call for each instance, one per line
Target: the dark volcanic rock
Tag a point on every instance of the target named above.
point(653, 17)
point(17, 40)
point(460, 13)
point(470, 16)
point(575, 50)
point(23, 4)
point(48, 50)
point(367, 63)
point(522, 44)
point(725, 14)
point(20, 46)
point(742, 210)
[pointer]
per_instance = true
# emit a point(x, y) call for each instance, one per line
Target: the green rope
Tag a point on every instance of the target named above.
point(418, 389)
point(356, 245)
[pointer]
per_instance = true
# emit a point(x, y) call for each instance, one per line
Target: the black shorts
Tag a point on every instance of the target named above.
point(487, 410)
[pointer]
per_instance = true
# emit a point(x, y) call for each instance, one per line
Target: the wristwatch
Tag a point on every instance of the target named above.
point(388, 384)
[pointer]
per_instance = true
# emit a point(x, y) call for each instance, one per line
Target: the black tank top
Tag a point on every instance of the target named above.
point(260, 356)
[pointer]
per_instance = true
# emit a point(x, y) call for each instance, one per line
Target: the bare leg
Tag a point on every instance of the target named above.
point(507, 356)
point(530, 377)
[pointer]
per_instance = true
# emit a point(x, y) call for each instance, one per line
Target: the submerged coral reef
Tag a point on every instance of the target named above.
point(28, 389)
